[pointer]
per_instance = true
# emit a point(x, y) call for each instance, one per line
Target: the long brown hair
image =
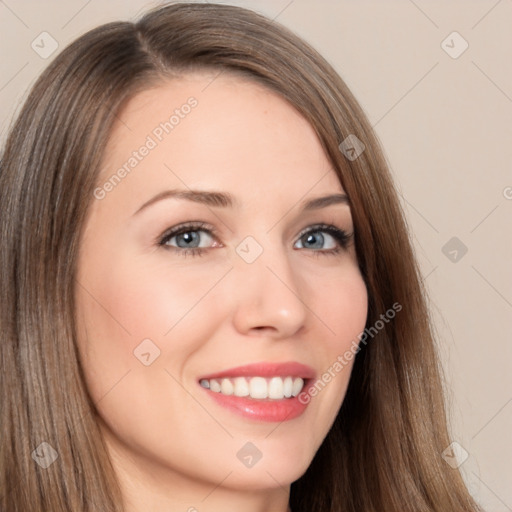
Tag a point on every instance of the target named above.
point(383, 453)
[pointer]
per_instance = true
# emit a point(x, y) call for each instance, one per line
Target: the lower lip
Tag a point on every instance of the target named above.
point(259, 409)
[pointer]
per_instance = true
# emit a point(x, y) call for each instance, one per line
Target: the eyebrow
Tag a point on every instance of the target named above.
point(226, 200)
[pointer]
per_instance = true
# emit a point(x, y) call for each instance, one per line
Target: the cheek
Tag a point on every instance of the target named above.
point(343, 307)
point(154, 297)
point(122, 306)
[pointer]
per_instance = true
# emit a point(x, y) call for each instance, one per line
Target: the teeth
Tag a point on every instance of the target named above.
point(226, 387)
point(215, 386)
point(258, 388)
point(288, 386)
point(241, 387)
point(275, 388)
point(297, 386)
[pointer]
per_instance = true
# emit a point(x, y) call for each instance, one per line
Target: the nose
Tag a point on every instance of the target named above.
point(268, 296)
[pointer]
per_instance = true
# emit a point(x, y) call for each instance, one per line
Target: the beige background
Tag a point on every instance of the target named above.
point(445, 124)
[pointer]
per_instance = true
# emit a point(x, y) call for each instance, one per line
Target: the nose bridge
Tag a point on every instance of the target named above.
point(269, 293)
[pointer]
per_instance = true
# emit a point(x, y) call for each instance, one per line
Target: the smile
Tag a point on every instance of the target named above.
point(263, 391)
point(275, 388)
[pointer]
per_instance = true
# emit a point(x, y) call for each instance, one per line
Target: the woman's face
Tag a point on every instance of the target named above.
point(157, 321)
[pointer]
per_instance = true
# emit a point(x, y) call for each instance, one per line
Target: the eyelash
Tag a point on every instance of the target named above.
point(341, 236)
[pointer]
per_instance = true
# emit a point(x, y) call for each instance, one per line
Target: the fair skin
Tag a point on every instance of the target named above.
point(173, 447)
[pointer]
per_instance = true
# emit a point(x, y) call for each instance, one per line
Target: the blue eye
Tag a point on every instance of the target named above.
point(314, 236)
point(187, 239)
point(186, 235)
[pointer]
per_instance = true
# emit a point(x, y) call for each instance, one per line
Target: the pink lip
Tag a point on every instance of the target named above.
point(263, 369)
point(269, 410)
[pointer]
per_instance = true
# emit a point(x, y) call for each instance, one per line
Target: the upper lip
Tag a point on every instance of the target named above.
point(265, 369)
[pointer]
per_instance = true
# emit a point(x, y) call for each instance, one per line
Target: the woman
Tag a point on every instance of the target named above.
point(265, 375)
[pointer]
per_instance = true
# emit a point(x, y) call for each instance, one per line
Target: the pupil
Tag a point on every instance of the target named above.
point(312, 238)
point(189, 237)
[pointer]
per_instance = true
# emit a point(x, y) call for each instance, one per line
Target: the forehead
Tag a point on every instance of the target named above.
point(206, 130)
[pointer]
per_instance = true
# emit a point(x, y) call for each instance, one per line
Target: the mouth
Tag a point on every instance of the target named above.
point(261, 391)
point(256, 387)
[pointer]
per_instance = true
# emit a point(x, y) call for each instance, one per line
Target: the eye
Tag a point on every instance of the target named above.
point(186, 239)
point(338, 239)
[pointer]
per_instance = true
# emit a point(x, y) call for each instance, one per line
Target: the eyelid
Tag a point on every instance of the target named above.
point(332, 229)
point(183, 228)
point(342, 236)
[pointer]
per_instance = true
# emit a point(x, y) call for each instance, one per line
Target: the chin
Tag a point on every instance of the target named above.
point(273, 473)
